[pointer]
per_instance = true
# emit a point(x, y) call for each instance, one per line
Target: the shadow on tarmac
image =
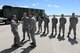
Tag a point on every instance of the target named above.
point(52, 36)
point(27, 50)
point(72, 41)
point(9, 50)
point(43, 35)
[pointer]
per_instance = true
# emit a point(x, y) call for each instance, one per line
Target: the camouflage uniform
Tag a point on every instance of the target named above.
point(33, 29)
point(54, 25)
point(62, 21)
point(14, 29)
point(46, 24)
point(25, 26)
point(73, 22)
point(40, 24)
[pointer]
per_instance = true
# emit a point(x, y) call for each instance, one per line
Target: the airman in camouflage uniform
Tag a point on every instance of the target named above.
point(73, 22)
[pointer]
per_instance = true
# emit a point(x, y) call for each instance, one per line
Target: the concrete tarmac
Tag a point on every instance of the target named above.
point(45, 44)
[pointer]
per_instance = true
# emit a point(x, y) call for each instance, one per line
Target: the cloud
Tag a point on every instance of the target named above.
point(35, 4)
point(56, 6)
point(24, 6)
point(0, 7)
point(49, 5)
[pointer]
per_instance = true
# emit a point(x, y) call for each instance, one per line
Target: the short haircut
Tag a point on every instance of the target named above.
point(32, 13)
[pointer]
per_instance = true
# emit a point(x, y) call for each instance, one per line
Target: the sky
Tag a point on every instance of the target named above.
point(51, 7)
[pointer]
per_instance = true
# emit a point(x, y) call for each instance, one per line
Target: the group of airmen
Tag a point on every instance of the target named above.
point(29, 26)
point(62, 21)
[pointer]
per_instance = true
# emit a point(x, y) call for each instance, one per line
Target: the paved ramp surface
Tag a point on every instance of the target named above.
point(45, 44)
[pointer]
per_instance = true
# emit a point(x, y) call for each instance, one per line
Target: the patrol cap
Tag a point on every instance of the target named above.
point(73, 13)
point(32, 13)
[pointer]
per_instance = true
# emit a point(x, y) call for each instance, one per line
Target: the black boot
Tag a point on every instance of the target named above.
point(33, 45)
point(63, 36)
point(51, 33)
point(43, 32)
point(68, 35)
point(74, 37)
point(58, 35)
